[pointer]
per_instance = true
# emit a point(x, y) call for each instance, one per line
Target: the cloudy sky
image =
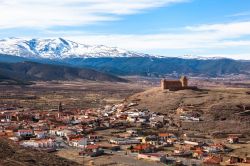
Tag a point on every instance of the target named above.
point(162, 27)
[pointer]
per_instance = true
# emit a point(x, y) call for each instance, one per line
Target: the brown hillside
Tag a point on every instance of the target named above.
point(13, 155)
point(220, 109)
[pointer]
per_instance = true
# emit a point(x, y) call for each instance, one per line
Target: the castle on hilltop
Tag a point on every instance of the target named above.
point(180, 84)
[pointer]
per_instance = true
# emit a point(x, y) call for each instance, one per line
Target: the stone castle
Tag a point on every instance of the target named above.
point(180, 84)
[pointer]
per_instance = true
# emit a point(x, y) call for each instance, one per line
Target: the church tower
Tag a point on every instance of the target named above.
point(60, 107)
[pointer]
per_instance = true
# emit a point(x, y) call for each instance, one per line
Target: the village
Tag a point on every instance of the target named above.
point(137, 136)
point(132, 131)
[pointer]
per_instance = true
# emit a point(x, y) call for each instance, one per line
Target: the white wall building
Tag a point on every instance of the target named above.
point(45, 143)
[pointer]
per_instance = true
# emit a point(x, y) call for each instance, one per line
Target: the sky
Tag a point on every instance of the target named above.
point(205, 28)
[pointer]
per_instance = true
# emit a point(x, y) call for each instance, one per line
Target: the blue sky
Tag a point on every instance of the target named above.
point(164, 27)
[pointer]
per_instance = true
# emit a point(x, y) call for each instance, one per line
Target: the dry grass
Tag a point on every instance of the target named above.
point(13, 155)
point(84, 94)
point(219, 107)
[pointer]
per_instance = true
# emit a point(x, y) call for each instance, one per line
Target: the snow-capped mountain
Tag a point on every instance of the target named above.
point(200, 57)
point(64, 52)
point(59, 48)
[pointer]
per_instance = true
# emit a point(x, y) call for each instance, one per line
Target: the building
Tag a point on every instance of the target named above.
point(40, 134)
point(233, 140)
point(153, 157)
point(144, 148)
point(60, 109)
point(212, 160)
point(123, 141)
point(247, 160)
point(78, 142)
point(175, 84)
point(92, 151)
point(235, 159)
point(24, 132)
point(44, 143)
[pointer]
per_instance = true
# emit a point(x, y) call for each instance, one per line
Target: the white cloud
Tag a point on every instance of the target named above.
point(196, 37)
point(232, 30)
point(47, 13)
point(199, 39)
point(221, 39)
point(240, 14)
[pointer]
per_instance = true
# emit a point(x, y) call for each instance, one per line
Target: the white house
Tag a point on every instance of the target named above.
point(65, 132)
point(132, 131)
point(24, 132)
point(79, 142)
point(44, 143)
point(142, 120)
point(131, 119)
point(121, 141)
point(40, 134)
point(157, 119)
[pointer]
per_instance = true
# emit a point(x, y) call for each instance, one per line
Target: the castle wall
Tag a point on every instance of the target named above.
point(174, 84)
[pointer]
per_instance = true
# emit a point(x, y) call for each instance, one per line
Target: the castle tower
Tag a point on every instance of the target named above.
point(163, 85)
point(184, 81)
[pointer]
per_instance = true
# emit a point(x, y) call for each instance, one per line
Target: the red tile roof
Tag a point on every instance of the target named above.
point(92, 147)
point(143, 146)
point(212, 160)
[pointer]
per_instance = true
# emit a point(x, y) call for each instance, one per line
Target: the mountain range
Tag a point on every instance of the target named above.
point(114, 60)
point(60, 48)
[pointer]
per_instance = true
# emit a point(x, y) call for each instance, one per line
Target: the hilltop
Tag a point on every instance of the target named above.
point(220, 108)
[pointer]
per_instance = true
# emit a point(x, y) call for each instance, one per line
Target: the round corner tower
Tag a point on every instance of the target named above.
point(184, 81)
point(163, 84)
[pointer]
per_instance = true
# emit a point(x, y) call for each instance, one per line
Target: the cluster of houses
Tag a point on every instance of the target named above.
point(56, 129)
point(186, 114)
point(152, 147)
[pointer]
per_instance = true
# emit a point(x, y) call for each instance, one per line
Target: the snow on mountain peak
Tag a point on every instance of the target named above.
point(199, 57)
point(59, 48)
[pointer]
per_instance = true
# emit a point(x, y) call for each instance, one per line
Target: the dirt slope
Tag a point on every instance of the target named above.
point(14, 155)
point(221, 109)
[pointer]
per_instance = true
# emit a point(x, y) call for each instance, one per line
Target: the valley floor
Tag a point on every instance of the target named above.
point(73, 94)
point(186, 126)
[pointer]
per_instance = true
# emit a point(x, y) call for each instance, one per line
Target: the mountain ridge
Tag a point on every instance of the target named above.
point(59, 48)
point(33, 71)
point(148, 66)
point(116, 61)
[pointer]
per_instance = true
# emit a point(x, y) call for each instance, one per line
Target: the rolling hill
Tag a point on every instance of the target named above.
point(32, 71)
point(148, 66)
point(153, 66)
point(221, 109)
